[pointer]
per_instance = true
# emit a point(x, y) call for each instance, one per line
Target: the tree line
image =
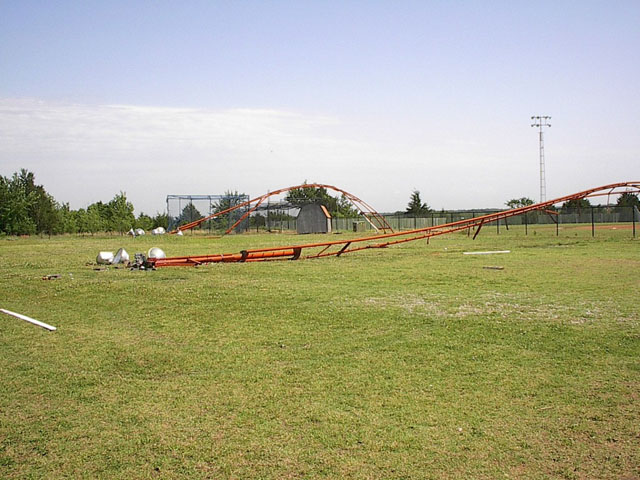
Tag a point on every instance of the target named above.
point(27, 209)
point(417, 208)
point(341, 207)
point(626, 199)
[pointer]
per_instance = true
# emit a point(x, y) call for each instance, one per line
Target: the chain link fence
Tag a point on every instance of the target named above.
point(590, 216)
point(183, 209)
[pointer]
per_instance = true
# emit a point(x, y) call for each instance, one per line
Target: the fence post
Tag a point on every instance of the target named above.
point(593, 227)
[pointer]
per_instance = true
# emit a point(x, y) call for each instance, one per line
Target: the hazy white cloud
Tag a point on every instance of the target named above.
point(86, 153)
point(83, 153)
point(30, 126)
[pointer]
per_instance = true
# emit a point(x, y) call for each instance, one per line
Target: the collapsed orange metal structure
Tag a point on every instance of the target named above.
point(343, 246)
point(374, 219)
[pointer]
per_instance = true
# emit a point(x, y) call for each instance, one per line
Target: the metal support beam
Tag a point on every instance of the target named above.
point(387, 239)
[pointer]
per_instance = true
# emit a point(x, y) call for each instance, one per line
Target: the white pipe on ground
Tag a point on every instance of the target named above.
point(28, 319)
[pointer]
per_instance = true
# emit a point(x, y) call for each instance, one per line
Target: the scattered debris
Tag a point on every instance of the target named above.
point(140, 263)
point(158, 231)
point(180, 234)
point(28, 319)
point(486, 253)
point(108, 258)
point(54, 276)
point(491, 267)
point(121, 257)
point(131, 232)
point(155, 252)
point(104, 258)
point(139, 231)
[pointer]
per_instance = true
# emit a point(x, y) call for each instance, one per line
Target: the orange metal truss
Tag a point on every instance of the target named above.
point(341, 247)
point(376, 220)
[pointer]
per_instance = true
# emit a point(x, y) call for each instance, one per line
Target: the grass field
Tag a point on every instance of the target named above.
point(408, 362)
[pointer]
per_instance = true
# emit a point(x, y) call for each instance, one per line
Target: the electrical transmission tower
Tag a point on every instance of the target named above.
point(541, 121)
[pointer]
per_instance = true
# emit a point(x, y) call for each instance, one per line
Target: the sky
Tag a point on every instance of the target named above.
point(378, 98)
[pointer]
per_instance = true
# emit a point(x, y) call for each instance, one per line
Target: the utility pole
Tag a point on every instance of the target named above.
point(541, 121)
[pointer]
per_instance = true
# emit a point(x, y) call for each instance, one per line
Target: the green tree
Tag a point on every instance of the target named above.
point(337, 207)
point(25, 208)
point(14, 208)
point(519, 202)
point(344, 208)
point(575, 204)
point(257, 220)
point(41, 207)
point(4, 205)
point(229, 200)
point(415, 206)
point(121, 213)
point(81, 220)
point(531, 217)
point(161, 220)
point(95, 220)
point(189, 214)
point(46, 213)
point(302, 196)
point(628, 199)
point(68, 219)
point(144, 222)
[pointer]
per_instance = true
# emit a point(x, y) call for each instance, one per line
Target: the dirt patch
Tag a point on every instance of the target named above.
point(497, 305)
point(621, 226)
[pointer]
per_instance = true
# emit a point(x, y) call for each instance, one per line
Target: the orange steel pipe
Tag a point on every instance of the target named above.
point(294, 252)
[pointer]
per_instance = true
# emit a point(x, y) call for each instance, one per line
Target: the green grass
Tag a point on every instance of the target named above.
point(408, 362)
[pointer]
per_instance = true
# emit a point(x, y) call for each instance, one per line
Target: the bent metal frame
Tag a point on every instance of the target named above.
point(376, 220)
point(383, 240)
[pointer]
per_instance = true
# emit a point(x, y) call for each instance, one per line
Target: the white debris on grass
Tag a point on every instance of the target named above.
point(104, 258)
point(121, 257)
point(155, 252)
point(29, 319)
